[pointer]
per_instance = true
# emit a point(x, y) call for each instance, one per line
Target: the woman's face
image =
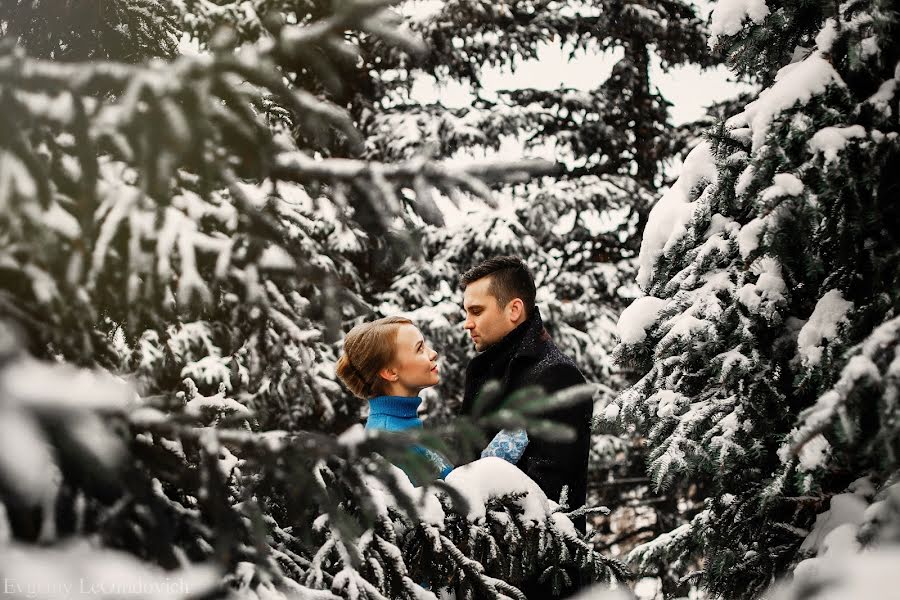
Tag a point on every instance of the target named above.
point(415, 364)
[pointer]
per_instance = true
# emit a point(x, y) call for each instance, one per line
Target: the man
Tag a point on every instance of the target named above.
point(516, 350)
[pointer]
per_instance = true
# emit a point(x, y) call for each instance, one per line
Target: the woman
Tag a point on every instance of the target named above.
point(388, 363)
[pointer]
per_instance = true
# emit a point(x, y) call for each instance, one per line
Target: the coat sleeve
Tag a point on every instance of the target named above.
point(555, 464)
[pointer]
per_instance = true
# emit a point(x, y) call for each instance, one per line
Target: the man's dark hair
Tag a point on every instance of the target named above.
point(509, 279)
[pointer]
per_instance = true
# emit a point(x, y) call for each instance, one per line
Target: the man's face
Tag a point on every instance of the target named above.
point(486, 321)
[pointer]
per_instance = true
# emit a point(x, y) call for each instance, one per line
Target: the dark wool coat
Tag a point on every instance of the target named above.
point(527, 356)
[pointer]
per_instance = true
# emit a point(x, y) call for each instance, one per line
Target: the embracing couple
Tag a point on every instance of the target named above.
point(388, 362)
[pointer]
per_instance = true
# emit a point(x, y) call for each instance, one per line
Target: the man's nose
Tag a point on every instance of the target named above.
point(468, 324)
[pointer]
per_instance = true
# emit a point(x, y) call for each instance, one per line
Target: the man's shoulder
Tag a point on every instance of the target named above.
point(553, 363)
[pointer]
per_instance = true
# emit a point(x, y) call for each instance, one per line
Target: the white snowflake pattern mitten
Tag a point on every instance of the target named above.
point(509, 445)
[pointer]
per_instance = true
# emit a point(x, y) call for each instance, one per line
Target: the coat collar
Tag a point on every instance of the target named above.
point(524, 340)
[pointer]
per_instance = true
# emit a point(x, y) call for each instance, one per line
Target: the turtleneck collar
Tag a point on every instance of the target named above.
point(395, 406)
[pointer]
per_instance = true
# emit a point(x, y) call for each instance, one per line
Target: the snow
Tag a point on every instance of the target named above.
point(430, 510)
point(492, 477)
point(565, 224)
point(26, 464)
point(883, 336)
point(42, 284)
point(744, 179)
point(146, 415)
point(814, 453)
point(59, 108)
point(869, 46)
point(830, 141)
point(63, 387)
point(420, 593)
point(748, 237)
point(797, 82)
point(822, 326)
point(785, 184)
point(668, 402)
point(353, 436)
point(730, 423)
point(564, 524)
point(637, 317)
point(731, 360)
point(873, 574)
point(859, 367)
point(834, 537)
point(826, 37)
point(611, 412)
point(674, 210)
point(841, 541)
point(769, 287)
point(276, 258)
point(61, 221)
point(210, 370)
point(685, 326)
point(227, 461)
point(882, 98)
point(643, 589)
point(218, 403)
point(844, 508)
point(728, 17)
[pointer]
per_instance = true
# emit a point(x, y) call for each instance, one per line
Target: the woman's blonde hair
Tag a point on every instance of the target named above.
point(368, 348)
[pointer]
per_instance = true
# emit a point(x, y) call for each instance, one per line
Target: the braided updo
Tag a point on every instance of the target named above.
point(368, 348)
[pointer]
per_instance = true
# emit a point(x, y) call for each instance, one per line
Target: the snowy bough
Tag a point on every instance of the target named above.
point(768, 335)
point(191, 218)
point(197, 500)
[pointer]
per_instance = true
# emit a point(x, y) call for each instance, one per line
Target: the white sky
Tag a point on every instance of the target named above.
point(687, 88)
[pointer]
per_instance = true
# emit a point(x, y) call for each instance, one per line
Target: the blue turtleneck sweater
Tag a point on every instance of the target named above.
point(399, 413)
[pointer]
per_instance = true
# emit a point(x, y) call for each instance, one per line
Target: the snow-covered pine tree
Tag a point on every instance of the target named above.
point(768, 336)
point(578, 233)
point(203, 162)
point(155, 214)
point(123, 30)
point(612, 152)
point(112, 488)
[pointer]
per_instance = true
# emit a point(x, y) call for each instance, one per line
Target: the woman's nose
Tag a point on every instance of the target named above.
point(433, 354)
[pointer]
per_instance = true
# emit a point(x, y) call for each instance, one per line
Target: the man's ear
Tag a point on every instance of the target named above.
point(516, 310)
point(388, 374)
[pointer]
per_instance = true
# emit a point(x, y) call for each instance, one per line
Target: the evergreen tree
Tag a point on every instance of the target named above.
point(610, 142)
point(174, 221)
point(769, 327)
point(579, 234)
point(124, 30)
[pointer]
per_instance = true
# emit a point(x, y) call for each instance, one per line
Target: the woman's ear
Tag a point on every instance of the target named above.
point(388, 374)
